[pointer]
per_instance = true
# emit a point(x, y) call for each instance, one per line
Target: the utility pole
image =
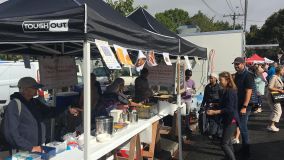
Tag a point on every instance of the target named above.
point(234, 17)
point(246, 14)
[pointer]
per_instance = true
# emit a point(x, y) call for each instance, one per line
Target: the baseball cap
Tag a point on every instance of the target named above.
point(239, 60)
point(27, 82)
point(214, 75)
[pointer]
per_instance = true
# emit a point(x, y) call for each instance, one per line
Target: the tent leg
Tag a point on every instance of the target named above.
point(87, 99)
point(179, 111)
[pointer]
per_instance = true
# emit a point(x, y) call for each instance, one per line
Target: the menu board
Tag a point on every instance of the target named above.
point(162, 75)
point(57, 72)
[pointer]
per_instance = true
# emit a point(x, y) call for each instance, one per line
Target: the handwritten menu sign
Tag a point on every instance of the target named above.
point(57, 72)
point(162, 75)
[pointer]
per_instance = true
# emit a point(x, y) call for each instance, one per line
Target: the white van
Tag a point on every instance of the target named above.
point(10, 73)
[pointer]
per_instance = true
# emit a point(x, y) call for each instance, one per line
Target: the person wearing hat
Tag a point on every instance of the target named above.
point(23, 126)
point(245, 84)
point(211, 100)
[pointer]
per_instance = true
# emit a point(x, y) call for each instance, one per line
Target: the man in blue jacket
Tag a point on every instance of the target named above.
point(23, 126)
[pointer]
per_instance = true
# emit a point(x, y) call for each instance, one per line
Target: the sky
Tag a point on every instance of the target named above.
point(258, 10)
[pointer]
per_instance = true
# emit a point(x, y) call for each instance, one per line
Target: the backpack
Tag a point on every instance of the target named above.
point(3, 143)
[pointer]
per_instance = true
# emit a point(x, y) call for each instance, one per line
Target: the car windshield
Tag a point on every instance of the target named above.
point(100, 72)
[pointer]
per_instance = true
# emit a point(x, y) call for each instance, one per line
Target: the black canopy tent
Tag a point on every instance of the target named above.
point(147, 21)
point(69, 27)
point(22, 23)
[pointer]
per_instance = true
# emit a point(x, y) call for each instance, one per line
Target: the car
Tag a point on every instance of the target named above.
point(10, 73)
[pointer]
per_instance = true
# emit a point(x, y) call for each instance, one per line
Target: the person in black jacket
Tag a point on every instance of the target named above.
point(211, 100)
point(23, 126)
point(229, 112)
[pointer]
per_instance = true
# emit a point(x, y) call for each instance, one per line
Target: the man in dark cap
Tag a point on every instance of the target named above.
point(23, 126)
point(245, 82)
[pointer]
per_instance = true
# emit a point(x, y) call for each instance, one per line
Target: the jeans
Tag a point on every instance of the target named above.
point(226, 142)
point(188, 110)
point(215, 125)
point(244, 127)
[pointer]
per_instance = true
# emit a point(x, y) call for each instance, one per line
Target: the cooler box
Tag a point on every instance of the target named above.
point(65, 99)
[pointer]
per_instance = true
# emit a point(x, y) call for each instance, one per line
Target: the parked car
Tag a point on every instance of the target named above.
point(10, 73)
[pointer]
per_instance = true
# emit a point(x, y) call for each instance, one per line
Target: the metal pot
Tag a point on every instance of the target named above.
point(104, 124)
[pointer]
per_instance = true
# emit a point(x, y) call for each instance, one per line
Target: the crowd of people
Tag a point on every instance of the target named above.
point(228, 102)
point(229, 99)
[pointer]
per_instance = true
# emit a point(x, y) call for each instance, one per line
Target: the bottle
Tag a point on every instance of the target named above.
point(125, 115)
point(134, 116)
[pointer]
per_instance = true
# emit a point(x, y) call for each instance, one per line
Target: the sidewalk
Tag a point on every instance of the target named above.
point(264, 145)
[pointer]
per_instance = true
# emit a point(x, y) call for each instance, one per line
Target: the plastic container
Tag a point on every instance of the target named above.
point(59, 146)
point(49, 152)
point(65, 99)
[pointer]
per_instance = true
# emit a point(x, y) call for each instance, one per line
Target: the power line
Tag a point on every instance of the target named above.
point(242, 6)
point(208, 6)
point(230, 5)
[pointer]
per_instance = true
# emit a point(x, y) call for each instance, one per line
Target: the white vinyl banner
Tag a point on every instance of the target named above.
point(140, 62)
point(107, 54)
point(151, 59)
point(57, 72)
point(188, 64)
point(167, 59)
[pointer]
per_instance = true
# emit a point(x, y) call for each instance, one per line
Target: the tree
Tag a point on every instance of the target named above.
point(273, 29)
point(270, 33)
point(205, 23)
point(173, 18)
point(125, 7)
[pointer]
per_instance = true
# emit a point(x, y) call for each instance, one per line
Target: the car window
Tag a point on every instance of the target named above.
point(100, 72)
point(124, 72)
point(134, 72)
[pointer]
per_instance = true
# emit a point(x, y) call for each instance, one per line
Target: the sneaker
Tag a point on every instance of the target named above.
point(259, 110)
point(235, 141)
point(272, 128)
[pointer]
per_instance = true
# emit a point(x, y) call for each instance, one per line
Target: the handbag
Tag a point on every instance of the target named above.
point(277, 97)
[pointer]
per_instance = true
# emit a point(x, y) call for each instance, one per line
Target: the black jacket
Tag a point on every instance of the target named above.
point(212, 94)
point(27, 129)
point(229, 106)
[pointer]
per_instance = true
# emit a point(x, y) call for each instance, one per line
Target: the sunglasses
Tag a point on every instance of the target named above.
point(236, 64)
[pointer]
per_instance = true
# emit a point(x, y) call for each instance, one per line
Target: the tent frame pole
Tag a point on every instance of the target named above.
point(179, 105)
point(87, 99)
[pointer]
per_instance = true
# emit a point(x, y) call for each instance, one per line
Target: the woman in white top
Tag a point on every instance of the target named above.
point(276, 85)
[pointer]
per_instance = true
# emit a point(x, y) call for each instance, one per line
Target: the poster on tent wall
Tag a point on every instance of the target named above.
point(140, 62)
point(122, 55)
point(57, 72)
point(151, 59)
point(107, 54)
point(167, 59)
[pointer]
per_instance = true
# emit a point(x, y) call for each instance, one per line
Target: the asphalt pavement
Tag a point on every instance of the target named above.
point(264, 145)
